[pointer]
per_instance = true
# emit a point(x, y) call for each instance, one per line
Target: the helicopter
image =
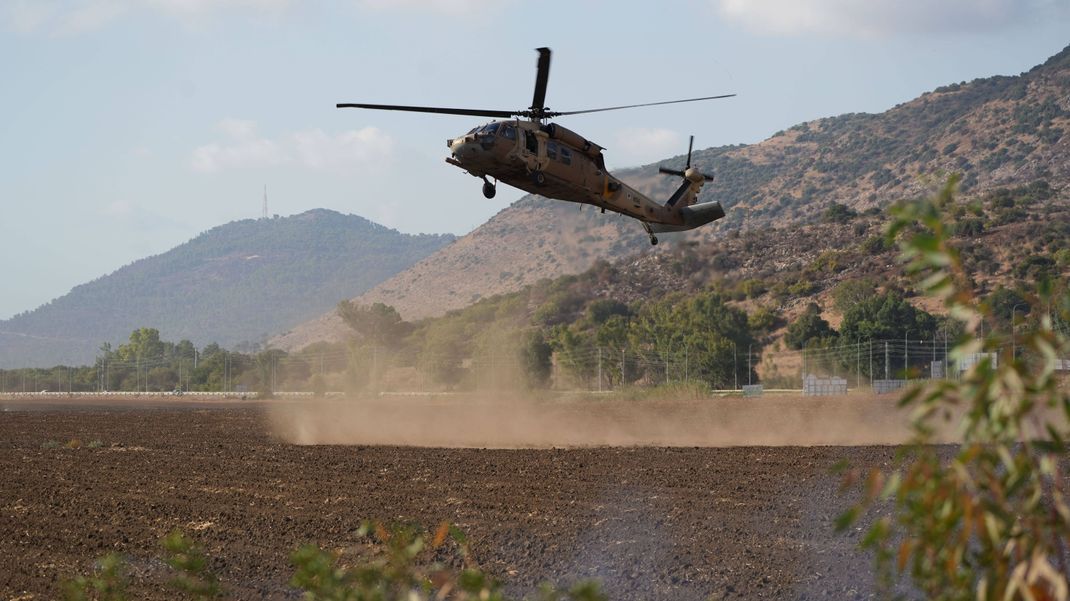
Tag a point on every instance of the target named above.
point(527, 151)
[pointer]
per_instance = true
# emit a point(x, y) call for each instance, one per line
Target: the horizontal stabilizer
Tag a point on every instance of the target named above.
point(694, 216)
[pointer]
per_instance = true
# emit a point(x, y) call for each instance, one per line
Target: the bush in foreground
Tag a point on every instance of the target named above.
point(406, 564)
point(992, 521)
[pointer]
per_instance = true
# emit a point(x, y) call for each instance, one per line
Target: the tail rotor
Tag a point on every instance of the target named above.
point(693, 180)
point(688, 172)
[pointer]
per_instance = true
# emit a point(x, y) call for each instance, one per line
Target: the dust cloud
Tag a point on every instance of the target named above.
point(510, 421)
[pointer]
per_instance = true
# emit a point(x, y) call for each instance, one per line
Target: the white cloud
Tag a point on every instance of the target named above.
point(885, 17)
point(639, 145)
point(319, 150)
point(237, 128)
point(63, 17)
point(449, 7)
point(312, 148)
point(214, 157)
point(201, 7)
point(28, 15)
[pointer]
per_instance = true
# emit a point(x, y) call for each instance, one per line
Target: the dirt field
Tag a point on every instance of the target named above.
point(650, 522)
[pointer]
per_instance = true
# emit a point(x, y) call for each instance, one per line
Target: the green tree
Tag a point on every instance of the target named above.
point(379, 324)
point(537, 359)
point(807, 328)
point(602, 309)
point(144, 344)
point(886, 316)
point(849, 293)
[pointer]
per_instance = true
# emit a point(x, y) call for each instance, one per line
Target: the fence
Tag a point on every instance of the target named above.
point(879, 366)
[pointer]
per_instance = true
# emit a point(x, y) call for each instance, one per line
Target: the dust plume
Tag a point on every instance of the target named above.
point(510, 421)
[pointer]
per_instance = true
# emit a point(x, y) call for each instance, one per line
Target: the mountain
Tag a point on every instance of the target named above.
point(996, 131)
point(235, 283)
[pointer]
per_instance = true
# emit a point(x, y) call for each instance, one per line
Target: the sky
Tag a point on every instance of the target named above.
point(130, 126)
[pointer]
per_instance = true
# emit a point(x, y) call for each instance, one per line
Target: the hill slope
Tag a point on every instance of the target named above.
point(997, 131)
point(235, 283)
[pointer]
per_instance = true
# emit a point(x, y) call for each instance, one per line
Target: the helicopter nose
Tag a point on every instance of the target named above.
point(462, 148)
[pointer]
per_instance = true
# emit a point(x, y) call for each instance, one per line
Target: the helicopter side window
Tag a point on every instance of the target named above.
point(531, 142)
point(508, 132)
point(566, 156)
point(551, 150)
point(490, 129)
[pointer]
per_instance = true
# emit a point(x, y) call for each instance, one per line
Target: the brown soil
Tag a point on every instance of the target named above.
point(650, 523)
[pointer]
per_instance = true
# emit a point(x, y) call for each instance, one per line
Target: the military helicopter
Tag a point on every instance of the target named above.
point(528, 152)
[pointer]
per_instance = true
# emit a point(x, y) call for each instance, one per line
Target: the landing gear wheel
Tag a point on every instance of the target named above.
point(489, 189)
point(539, 178)
point(650, 232)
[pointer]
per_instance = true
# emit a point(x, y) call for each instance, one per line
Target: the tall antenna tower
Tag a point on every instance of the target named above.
point(264, 215)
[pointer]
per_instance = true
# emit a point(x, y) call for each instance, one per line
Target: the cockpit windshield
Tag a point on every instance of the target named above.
point(485, 130)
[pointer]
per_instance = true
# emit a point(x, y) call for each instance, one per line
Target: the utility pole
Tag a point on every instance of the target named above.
point(906, 352)
point(1014, 338)
point(887, 365)
point(375, 367)
point(599, 369)
point(858, 365)
point(947, 364)
point(686, 379)
point(735, 368)
point(748, 364)
point(622, 359)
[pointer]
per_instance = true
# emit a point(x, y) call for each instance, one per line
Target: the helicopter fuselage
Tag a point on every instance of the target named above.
point(551, 161)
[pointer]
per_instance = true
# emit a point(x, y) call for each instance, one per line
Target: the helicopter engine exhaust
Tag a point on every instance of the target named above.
point(573, 139)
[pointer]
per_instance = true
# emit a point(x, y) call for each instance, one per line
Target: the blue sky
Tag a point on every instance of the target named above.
point(129, 126)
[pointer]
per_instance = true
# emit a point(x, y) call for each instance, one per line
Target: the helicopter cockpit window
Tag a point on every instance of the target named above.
point(551, 150)
point(566, 156)
point(508, 132)
point(490, 129)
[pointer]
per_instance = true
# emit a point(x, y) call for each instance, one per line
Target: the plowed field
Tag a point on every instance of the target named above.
point(649, 522)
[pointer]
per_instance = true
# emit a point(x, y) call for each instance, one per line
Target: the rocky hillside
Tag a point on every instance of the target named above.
point(997, 131)
point(235, 283)
point(532, 239)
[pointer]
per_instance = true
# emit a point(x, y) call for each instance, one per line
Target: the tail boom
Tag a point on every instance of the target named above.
point(696, 215)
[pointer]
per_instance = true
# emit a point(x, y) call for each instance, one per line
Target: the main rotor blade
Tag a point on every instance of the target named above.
point(541, 76)
point(432, 109)
point(632, 106)
point(668, 171)
point(689, 145)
